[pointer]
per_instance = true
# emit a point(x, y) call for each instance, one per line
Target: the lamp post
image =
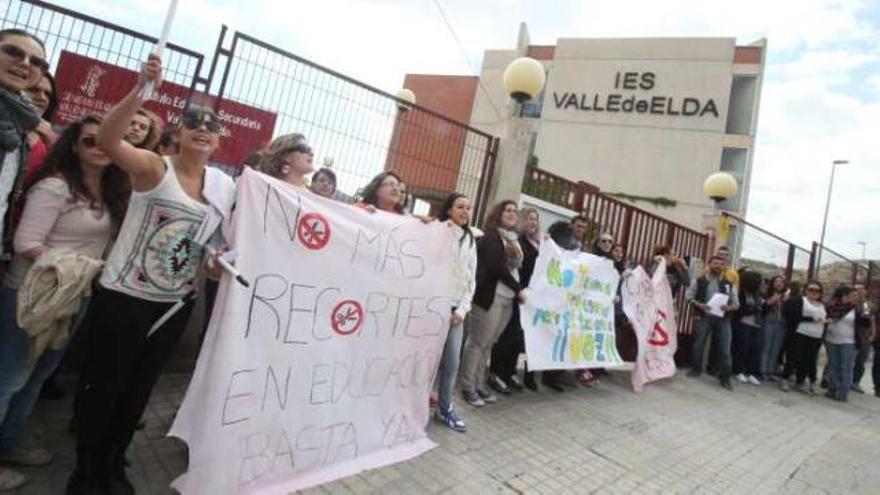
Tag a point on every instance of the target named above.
point(720, 187)
point(408, 97)
point(523, 80)
point(864, 249)
point(834, 165)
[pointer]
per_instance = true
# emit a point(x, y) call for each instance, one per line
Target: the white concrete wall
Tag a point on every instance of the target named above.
point(642, 154)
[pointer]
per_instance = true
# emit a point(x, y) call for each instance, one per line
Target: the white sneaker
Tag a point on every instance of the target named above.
point(741, 378)
point(10, 480)
point(753, 380)
point(28, 456)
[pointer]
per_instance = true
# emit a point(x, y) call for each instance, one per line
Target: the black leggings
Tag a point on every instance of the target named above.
point(121, 368)
point(806, 350)
point(505, 352)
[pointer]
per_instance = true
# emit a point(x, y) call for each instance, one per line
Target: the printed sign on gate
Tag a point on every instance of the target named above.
point(86, 86)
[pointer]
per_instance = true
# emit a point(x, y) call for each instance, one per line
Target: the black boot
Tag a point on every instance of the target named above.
point(529, 381)
point(117, 479)
point(89, 476)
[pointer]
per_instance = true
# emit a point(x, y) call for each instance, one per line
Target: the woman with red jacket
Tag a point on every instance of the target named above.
point(499, 257)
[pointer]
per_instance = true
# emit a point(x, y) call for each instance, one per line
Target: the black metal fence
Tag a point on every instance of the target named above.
point(358, 129)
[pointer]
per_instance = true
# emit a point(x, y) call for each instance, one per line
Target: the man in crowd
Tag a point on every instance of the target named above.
point(710, 322)
point(863, 342)
point(145, 130)
point(579, 226)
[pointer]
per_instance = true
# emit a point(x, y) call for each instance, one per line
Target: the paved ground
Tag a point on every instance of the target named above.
point(682, 436)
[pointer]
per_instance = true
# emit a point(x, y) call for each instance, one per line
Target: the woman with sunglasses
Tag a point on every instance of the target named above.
point(76, 202)
point(177, 206)
point(603, 247)
point(42, 95)
point(289, 158)
point(810, 315)
point(22, 64)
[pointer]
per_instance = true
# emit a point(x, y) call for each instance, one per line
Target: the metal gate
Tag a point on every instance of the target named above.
point(357, 128)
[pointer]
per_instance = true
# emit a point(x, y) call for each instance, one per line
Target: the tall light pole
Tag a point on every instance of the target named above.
point(834, 165)
point(864, 249)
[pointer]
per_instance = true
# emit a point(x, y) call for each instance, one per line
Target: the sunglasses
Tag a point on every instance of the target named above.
point(193, 121)
point(813, 289)
point(88, 142)
point(606, 241)
point(302, 148)
point(19, 55)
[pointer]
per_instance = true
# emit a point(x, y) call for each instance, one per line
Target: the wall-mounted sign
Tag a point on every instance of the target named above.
point(619, 102)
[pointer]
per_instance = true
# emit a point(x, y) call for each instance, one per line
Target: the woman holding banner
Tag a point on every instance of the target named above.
point(499, 257)
point(145, 294)
point(289, 158)
point(456, 213)
point(505, 353)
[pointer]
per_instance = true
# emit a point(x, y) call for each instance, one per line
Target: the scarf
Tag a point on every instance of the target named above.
point(17, 118)
point(512, 249)
point(837, 309)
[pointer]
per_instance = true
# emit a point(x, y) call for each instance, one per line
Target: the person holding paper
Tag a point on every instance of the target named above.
point(177, 206)
point(714, 298)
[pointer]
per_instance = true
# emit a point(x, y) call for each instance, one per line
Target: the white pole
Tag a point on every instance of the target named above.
point(825, 219)
point(147, 92)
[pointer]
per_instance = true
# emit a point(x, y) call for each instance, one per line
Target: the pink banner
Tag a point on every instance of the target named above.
point(647, 302)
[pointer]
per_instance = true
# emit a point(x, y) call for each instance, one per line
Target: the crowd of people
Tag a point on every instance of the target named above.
point(119, 199)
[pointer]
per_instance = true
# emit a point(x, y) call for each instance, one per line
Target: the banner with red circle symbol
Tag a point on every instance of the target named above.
point(647, 302)
point(322, 366)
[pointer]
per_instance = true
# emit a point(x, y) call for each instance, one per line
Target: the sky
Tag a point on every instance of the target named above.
point(820, 100)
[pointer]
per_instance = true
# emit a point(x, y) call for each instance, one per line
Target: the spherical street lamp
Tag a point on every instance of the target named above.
point(524, 79)
point(720, 186)
point(407, 96)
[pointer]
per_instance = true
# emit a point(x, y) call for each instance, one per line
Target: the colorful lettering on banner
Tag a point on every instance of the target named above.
point(568, 316)
point(323, 366)
point(90, 87)
point(647, 302)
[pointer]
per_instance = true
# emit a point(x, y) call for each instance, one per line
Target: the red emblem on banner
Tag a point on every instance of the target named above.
point(313, 231)
point(347, 317)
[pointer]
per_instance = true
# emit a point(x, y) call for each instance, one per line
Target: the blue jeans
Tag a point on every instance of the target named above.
point(774, 337)
point(19, 383)
point(719, 330)
point(841, 358)
point(449, 367)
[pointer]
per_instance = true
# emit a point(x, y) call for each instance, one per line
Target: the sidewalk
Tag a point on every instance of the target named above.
point(682, 436)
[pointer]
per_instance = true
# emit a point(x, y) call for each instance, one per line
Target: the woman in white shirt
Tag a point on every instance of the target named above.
point(844, 318)
point(807, 339)
point(456, 213)
point(176, 208)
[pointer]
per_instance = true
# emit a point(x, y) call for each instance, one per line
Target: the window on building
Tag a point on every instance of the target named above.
point(741, 109)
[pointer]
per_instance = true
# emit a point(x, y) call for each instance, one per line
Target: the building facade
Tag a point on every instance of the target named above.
point(644, 119)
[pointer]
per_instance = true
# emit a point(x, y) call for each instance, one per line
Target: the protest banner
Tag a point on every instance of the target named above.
point(323, 366)
point(568, 316)
point(86, 86)
point(647, 302)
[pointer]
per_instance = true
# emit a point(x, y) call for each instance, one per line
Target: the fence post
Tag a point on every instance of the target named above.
point(580, 192)
point(627, 229)
point(811, 272)
point(789, 265)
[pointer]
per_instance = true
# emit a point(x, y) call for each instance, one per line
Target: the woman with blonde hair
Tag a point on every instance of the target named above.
point(289, 158)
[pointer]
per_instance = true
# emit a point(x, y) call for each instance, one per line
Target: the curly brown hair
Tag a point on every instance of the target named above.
point(62, 161)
